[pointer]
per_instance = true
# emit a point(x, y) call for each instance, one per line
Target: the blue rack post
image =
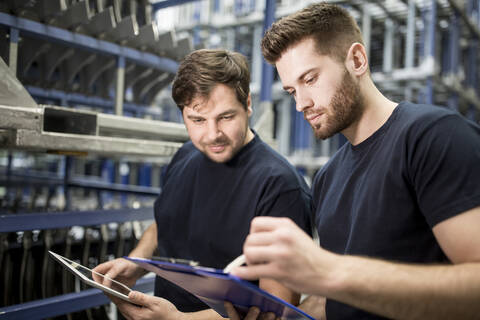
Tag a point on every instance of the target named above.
point(267, 69)
point(453, 50)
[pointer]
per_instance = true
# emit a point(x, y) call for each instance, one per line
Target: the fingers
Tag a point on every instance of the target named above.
point(253, 313)
point(267, 224)
point(129, 310)
point(104, 267)
point(253, 271)
point(231, 311)
point(267, 316)
point(139, 298)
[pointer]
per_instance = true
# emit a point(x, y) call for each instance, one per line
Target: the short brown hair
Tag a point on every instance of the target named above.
point(332, 27)
point(203, 69)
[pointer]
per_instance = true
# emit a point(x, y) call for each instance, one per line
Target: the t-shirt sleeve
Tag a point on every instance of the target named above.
point(445, 163)
point(295, 204)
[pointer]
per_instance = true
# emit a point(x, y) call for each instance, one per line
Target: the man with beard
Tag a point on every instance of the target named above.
point(214, 186)
point(397, 208)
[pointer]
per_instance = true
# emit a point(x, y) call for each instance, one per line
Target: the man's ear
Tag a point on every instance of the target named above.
point(357, 61)
point(249, 105)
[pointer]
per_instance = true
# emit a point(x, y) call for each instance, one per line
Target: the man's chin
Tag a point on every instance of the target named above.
point(322, 134)
point(219, 158)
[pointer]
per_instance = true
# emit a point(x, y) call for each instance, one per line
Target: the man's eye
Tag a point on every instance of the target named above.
point(227, 117)
point(309, 80)
point(197, 120)
point(291, 92)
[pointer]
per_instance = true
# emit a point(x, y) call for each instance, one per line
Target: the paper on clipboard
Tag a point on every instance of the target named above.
point(214, 287)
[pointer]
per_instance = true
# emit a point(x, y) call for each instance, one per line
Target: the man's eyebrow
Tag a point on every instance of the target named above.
point(194, 116)
point(231, 111)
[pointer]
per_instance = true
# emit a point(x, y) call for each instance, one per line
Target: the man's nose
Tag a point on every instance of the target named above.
point(303, 101)
point(213, 131)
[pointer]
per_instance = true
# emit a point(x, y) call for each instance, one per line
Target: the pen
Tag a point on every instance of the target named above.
point(238, 261)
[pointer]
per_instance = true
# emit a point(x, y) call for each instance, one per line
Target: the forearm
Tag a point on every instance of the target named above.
point(208, 314)
point(147, 244)
point(403, 291)
point(274, 287)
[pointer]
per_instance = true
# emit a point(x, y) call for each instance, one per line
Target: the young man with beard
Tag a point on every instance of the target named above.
point(397, 208)
point(214, 186)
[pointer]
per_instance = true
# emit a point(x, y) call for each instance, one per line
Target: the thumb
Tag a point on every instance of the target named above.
point(138, 298)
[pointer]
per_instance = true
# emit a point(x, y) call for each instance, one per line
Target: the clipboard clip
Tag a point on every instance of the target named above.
point(187, 262)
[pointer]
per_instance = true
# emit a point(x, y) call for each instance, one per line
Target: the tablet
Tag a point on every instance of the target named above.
point(93, 278)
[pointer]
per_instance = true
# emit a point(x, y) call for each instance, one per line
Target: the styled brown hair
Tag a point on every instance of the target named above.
point(203, 69)
point(332, 27)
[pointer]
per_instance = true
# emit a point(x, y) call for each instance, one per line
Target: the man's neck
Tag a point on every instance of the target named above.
point(249, 136)
point(377, 110)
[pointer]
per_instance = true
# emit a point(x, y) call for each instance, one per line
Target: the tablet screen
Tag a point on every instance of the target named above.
point(93, 278)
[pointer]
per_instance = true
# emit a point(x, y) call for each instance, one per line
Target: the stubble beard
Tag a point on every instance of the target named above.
point(345, 108)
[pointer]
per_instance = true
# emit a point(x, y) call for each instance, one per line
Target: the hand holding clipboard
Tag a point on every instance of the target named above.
point(215, 286)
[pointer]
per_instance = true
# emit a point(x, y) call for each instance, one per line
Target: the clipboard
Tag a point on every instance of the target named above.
point(91, 277)
point(214, 287)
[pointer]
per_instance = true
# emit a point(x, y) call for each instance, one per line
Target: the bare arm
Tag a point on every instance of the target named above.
point(147, 244)
point(393, 290)
point(126, 271)
point(417, 291)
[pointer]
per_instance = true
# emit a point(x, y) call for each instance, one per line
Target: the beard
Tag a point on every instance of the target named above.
point(345, 108)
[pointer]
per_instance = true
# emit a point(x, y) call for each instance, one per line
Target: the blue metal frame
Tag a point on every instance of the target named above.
point(168, 3)
point(69, 98)
point(16, 178)
point(267, 69)
point(63, 304)
point(63, 219)
point(86, 42)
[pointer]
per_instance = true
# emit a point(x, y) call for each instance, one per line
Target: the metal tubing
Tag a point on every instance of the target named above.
point(13, 50)
point(453, 48)
point(388, 46)
point(120, 86)
point(431, 49)
point(410, 41)
point(366, 27)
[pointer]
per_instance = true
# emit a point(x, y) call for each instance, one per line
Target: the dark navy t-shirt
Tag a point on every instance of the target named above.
point(205, 208)
point(382, 197)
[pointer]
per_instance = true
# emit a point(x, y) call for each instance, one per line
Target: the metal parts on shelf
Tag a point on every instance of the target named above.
point(12, 92)
point(26, 125)
point(56, 129)
point(82, 47)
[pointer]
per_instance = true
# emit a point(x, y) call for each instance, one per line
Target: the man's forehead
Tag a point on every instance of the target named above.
point(197, 104)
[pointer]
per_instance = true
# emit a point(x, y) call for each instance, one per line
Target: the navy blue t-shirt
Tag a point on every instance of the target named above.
point(382, 197)
point(205, 208)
